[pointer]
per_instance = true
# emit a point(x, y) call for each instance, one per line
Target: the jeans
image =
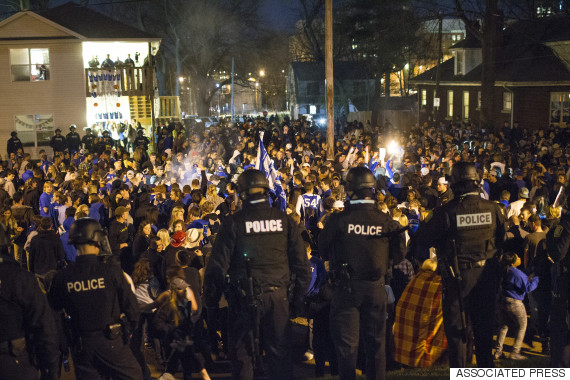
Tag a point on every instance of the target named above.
point(512, 309)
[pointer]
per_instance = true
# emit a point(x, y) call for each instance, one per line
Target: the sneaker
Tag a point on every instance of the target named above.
point(499, 354)
point(517, 356)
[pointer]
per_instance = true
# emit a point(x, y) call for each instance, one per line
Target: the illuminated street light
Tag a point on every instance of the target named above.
point(181, 79)
point(261, 73)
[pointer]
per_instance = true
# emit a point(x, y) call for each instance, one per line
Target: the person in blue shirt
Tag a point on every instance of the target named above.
point(310, 207)
point(28, 173)
point(45, 199)
point(515, 286)
point(70, 251)
point(98, 211)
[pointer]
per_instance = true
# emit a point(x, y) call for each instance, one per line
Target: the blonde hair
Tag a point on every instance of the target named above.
point(172, 218)
point(82, 208)
point(429, 265)
point(47, 185)
point(164, 237)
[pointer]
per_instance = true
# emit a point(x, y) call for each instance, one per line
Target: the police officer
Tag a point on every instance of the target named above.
point(88, 140)
point(359, 242)
point(94, 294)
point(269, 243)
point(14, 143)
point(558, 248)
point(141, 140)
point(467, 232)
point(25, 313)
point(107, 140)
point(58, 143)
point(73, 140)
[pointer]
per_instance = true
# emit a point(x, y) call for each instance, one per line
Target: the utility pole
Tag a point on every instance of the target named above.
point(437, 113)
point(233, 111)
point(329, 77)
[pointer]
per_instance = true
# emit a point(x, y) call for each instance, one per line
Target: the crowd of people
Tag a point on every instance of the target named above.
point(162, 202)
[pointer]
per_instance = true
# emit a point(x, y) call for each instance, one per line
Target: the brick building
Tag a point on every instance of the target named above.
point(532, 78)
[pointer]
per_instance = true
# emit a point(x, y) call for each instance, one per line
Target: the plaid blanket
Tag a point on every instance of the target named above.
point(418, 329)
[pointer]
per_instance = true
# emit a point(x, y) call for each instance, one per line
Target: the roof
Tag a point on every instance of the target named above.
point(92, 24)
point(523, 56)
point(315, 71)
point(449, 25)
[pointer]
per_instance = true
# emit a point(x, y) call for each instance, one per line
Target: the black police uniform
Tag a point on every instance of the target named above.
point(359, 243)
point(58, 143)
point(88, 140)
point(73, 141)
point(558, 248)
point(271, 240)
point(477, 227)
point(24, 311)
point(141, 141)
point(14, 143)
point(94, 294)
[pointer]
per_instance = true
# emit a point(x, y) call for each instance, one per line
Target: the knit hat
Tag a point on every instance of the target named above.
point(178, 239)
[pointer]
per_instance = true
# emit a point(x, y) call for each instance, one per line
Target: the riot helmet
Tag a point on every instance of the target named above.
point(89, 231)
point(359, 181)
point(464, 178)
point(249, 179)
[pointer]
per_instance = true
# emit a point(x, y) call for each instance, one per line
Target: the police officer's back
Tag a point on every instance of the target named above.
point(24, 312)
point(95, 294)
point(272, 243)
point(466, 233)
point(359, 242)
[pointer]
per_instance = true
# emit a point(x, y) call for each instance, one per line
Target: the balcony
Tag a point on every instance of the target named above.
point(135, 81)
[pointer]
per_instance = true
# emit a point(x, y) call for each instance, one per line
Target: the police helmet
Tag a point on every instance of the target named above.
point(360, 178)
point(251, 178)
point(463, 172)
point(72, 127)
point(88, 231)
point(14, 134)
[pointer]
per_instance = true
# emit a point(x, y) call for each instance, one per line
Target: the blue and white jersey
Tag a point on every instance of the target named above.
point(310, 207)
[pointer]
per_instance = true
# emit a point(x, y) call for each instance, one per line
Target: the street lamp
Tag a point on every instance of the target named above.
point(261, 73)
point(181, 79)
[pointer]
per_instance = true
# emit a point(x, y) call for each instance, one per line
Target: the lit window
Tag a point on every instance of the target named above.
point(459, 62)
point(424, 97)
point(449, 104)
point(29, 65)
point(34, 130)
point(465, 112)
point(559, 107)
point(507, 101)
point(478, 99)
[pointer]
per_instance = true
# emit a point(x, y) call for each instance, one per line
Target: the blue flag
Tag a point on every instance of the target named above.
point(265, 164)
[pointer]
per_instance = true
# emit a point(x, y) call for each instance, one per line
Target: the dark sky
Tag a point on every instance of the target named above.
point(280, 14)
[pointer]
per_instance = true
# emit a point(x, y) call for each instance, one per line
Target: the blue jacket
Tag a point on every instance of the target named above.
point(70, 251)
point(98, 212)
point(516, 284)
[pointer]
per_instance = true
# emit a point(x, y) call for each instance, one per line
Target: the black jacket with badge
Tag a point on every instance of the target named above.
point(118, 234)
point(364, 238)
point(73, 141)
point(270, 239)
point(58, 143)
point(478, 226)
point(94, 294)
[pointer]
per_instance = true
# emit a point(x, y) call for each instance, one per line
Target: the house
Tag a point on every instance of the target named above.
point(51, 74)
point(353, 88)
point(532, 78)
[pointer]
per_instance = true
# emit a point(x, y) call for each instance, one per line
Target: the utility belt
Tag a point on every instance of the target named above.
point(471, 265)
point(14, 347)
